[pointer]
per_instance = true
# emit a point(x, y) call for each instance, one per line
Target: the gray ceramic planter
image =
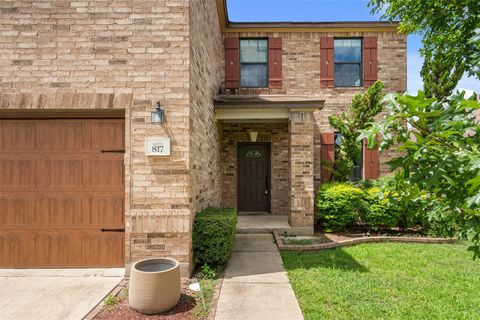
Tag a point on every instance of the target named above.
point(154, 285)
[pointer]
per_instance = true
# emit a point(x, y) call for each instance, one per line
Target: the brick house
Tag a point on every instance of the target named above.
point(245, 123)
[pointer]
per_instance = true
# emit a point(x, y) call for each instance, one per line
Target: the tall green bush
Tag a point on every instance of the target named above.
point(378, 213)
point(213, 236)
point(339, 205)
point(410, 203)
point(363, 109)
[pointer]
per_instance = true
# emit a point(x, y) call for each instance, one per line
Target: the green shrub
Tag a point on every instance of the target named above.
point(366, 184)
point(439, 220)
point(213, 236)
point(410, 203)
point(339, 205)
point(378, 213)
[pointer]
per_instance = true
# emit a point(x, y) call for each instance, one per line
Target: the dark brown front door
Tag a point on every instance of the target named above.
point(253, 177)
point(62, 193)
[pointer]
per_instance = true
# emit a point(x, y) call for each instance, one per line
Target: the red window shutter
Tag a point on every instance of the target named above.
point(327, 154)
point(370, 161)
point(327, 62)
point(232, 80)
point(275, 62)
point(369, 61)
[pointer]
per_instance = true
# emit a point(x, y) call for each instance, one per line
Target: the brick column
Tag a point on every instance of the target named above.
point(302, 195)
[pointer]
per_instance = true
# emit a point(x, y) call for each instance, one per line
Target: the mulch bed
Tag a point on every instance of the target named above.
point(182, 311)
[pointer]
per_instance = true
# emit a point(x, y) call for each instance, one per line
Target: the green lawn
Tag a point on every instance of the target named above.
point(386, 281)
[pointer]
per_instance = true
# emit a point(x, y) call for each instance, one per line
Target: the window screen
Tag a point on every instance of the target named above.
point(348, 62)
point(253, 62)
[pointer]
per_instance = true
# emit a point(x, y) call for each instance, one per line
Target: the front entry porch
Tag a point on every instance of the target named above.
point(267, 223)
point(267, 151)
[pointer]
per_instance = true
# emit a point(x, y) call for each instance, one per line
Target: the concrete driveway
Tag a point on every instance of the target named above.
point(51, 294)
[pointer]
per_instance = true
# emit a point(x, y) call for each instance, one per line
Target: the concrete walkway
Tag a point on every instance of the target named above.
point(52, 294)
point(255, 285)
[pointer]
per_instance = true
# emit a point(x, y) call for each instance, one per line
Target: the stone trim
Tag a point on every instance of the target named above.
point(64, 101)
point(350, 242)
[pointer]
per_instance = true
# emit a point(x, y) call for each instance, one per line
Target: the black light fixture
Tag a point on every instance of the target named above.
point(158, 116)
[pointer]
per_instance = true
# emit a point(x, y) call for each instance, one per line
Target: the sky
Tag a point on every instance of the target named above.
point(331, 10)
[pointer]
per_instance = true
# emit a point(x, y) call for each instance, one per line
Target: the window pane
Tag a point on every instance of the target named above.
point(348, 50)
point(347, 75)
point(337, 136)
point(253, 154)
point(253, 50)
point(357, 174)
point(253, 75)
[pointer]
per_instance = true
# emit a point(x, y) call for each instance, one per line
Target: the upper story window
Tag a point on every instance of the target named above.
point(253, 63)
point(348, 62)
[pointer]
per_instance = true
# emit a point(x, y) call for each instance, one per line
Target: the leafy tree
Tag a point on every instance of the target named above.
point(363, 110)
point(476, 55)
point(439, 144)
point(448, 28)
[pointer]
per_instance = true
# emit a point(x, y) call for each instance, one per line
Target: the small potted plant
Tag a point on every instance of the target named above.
point(154, 285)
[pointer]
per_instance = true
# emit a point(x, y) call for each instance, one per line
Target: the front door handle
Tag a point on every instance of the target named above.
point(266, 185)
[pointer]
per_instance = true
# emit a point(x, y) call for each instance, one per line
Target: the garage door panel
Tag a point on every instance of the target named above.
point(59, 190)
point(17, 211)
point(17, 173)
point(105, 134)
point(104, 211)
point(61, 211)
point(64, 135)
point(105, 247)
point(64, 173)
point(106, 172)
point(15, 249)
point(18, 135)
point(61, 249)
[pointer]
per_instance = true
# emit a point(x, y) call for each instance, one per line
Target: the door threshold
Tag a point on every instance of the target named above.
point(254, 213)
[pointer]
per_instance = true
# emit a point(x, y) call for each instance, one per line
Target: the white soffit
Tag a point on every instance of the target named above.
point(251, 114)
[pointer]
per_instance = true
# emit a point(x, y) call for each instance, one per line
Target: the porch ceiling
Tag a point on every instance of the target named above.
point(251, 107)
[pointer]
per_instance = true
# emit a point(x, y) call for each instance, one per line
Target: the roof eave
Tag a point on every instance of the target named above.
point(228, 26)
point(229, 102)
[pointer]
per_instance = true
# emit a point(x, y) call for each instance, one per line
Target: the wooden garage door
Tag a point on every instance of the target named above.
point(60, 185)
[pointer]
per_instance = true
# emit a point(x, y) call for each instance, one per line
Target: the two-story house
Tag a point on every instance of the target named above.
point(90, 177)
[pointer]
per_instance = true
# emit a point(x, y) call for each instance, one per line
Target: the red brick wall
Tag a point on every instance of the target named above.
point(301, 75)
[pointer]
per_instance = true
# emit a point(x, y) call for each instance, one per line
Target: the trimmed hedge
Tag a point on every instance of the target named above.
point(213, 236)
point(378, 214)
point(376, 205)
point(339, 205)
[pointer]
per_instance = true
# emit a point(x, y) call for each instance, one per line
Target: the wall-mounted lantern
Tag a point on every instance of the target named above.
point(158, 116)
point(253, 136)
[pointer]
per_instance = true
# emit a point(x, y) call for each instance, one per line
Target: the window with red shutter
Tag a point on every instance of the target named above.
point(370, 162)
point(326, 62)
point(275, 62)
point(231, 63)
point(327, 156)
point(369, 61)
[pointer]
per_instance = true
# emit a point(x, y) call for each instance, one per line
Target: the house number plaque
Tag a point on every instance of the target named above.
point(157, 146)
